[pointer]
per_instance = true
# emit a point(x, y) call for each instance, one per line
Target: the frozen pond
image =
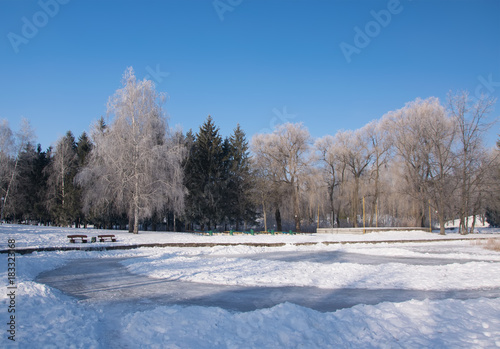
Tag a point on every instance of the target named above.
point(107, 280)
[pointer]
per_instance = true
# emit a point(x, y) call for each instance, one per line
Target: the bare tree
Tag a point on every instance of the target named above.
point(424, 139)
point(473, 161)
point(23, 137)
point(381, 143)
point(61, 174)
point(441, 132)
point(331, 157)
point(136, 162)
point(357, 155)
point(285, 151)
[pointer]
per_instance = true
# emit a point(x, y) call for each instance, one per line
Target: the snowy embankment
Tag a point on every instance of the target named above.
point(47, 318)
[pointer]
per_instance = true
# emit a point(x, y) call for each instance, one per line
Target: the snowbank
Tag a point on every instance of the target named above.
point(413, 324)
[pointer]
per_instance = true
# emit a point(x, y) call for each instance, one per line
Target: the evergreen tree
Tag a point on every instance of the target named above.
point(189, 179)
point(40, 183)
point(83, 149)
point(240, 179)
point(205, 171)
point(23, 191)
point(29, 192)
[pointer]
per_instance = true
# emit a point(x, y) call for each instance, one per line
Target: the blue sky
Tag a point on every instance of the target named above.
point(256, 63)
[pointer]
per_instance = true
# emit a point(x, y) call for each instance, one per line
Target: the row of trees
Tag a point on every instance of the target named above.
point(423, 160)
point(420, 159)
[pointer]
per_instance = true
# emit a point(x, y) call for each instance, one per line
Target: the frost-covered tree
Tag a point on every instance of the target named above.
point(284, 155)
point(473, 159)
point(135, 163)
point(6, 160)
point(424, 139)
point(356, 154)
point(10, 151)
point(381, 143)
point(493, 204)
point(62, 199)
point(333, 169)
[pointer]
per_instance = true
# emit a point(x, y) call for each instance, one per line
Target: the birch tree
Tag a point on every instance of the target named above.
point(135, 163)
point(17, 144)
point(62, 170)
point(6, 152)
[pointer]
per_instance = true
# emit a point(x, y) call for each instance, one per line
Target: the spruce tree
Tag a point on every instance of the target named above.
point(83, 149)
point(40, 181)
point(205, 171)
point(240, 179)
point(23, 191)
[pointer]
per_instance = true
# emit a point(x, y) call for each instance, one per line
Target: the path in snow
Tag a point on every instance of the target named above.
point(108, 282)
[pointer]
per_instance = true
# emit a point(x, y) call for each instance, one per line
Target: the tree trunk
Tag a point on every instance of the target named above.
point(265, 214)
point(136, 220)
point(355, 201)
point(277, 216)
point(4, 203)
point(296, 207)
point(441, 222)
point(130, 223)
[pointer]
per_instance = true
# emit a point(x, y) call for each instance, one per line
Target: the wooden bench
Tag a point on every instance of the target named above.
point(102, 238)
point(73, 237)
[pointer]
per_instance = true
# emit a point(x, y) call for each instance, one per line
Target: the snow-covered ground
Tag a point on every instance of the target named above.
point(40, 236)
point(480, 222)
point(47, 318)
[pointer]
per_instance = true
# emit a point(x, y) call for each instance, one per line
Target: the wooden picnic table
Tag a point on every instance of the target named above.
point(72, 238)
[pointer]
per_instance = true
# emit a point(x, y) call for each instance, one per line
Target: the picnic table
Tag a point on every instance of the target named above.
point(83, 238)
point(102, 238)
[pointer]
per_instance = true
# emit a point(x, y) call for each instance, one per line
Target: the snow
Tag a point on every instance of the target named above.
point(232, 271)
point(41, 236)
point(48, 318)
point(412, 324)
point(480, 222)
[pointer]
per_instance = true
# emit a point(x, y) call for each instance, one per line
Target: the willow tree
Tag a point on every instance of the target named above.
point(285, 155)
point(135, 164)
point(473, 159)
point(424, 138)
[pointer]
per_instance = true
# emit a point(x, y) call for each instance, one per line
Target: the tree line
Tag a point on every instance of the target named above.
point(420, 165)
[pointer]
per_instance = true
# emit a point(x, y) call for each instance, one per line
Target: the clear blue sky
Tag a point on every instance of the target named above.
point(251, 62)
